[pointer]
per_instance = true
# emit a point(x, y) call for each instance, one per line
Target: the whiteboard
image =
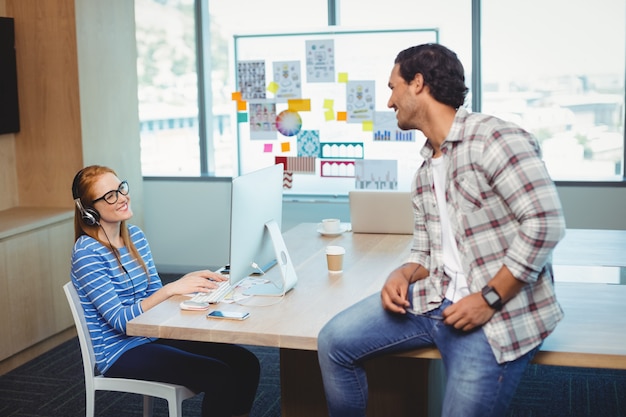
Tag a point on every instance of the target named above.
point(317, 101)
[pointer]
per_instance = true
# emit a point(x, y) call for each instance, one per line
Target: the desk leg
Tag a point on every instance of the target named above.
point(398, 386)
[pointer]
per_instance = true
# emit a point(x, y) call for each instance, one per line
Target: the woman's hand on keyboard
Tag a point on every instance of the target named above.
point(197, 281)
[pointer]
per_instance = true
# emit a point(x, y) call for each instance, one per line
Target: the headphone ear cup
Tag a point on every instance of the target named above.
point(90, 216)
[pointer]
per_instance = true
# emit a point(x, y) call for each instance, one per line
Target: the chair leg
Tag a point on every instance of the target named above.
point(90, 403)
point(148, 402)
point(175, 407)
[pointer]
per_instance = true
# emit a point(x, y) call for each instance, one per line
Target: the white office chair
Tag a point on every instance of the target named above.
point(174, 394)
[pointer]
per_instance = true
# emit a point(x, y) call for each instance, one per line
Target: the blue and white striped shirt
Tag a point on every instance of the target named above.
point(109, 296)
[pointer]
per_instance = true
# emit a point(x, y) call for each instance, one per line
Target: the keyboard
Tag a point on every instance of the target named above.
point(214, 296)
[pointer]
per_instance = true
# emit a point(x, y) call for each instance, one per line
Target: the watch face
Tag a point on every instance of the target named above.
point(491, 297)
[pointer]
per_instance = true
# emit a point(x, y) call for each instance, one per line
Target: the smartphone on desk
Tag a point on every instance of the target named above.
point(231, 315)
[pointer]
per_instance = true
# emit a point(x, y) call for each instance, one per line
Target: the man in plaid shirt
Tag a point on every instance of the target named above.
point(478, 282)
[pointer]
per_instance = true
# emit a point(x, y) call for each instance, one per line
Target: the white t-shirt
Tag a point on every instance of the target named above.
point(451, 258)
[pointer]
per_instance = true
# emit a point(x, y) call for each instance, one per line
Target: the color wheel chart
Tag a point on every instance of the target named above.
point(288, 122)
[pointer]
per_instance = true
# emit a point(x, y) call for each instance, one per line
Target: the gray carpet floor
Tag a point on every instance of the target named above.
point(52, 385)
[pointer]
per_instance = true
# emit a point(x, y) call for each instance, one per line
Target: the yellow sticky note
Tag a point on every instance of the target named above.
point(273, 87)
point(285, 146)
point(329, 103)
point(299, 104)
point(342, 116)
point(329, 115)
point(342, 77)
point(236, 96)
point(242, 105)
point(368, 126)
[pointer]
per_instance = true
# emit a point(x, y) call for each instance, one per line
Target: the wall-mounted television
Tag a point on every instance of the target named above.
point(9, 108)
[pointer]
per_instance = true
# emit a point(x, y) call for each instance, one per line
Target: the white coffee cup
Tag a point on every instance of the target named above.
point(334, 258)
point(331, 225)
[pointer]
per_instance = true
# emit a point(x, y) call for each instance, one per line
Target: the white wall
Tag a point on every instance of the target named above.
point(107, 62)
point(187, 221)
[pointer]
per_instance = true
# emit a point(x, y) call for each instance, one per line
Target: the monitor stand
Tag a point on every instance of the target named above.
point(287, 271)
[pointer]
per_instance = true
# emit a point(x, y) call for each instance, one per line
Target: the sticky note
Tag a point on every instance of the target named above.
point(342, 77)
point(242, 105)
point(285, 146)
point(368, 126)
point(242, 117)
point(342, 116)
point(236, 96)
point(273, 87)
point(329, 115)
point(267, 148)
point(299, 104)
point(329, 103)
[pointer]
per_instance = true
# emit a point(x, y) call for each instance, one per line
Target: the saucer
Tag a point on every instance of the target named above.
point(342, 228)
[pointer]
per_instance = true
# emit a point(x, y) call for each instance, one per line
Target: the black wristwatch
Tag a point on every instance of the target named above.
point(492, 297)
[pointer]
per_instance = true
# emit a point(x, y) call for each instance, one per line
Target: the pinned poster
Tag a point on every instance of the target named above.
point(376, 174)
point(386, 128)
point(299, 165)
point(287, 80)
point(263, 121)
point(251, 76)
point(320, 61)
point(309, 143)
point(360, 101)
point(340, 169)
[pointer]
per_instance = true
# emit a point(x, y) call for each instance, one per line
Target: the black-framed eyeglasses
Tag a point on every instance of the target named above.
point(111, 196)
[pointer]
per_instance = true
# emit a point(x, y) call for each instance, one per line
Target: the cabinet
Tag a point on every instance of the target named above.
point(35, 248)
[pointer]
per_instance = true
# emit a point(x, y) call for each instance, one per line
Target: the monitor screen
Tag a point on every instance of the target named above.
point(256, 199)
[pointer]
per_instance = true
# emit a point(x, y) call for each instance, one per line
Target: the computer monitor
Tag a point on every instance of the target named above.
point(255, 236)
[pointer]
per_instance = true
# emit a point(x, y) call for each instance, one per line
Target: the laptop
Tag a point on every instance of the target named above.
point(375, 211)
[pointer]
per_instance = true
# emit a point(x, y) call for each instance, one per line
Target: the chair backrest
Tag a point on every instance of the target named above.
point(86, 348)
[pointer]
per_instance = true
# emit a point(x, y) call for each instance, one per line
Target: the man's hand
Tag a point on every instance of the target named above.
point(394, 294)
point(468, 313)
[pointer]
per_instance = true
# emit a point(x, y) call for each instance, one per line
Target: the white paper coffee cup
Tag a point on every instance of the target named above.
point(334, 258)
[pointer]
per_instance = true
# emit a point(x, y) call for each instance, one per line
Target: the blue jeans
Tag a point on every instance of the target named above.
point(476, 384)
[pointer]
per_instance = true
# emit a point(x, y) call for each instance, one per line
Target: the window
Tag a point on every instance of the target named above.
point(560, 74)
point(167, 87)
point(171, 134)
point(551, 69)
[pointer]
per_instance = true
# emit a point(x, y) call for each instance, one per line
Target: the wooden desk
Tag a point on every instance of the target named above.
point(590, 335)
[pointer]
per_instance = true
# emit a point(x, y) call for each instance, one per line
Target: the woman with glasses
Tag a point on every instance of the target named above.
point(115, 276)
